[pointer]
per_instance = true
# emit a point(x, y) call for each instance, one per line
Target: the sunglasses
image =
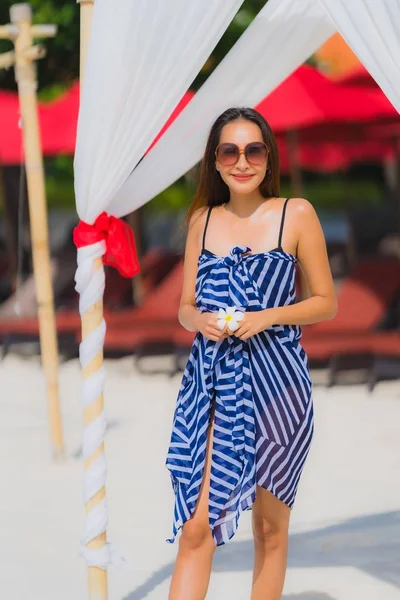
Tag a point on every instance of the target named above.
point(228, 154)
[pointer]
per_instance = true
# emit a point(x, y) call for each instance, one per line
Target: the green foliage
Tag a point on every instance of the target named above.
point(245, 15)
point(61, 64)
point(60, 182)
point(336, 192)
point(173, 199)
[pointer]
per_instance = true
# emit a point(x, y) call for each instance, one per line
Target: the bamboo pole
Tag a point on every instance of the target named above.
point(22, 32)
point(86, 26)
point(7, 60)
point(91, 320)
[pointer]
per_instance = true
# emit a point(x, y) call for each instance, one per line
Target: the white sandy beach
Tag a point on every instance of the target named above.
point(345, 530)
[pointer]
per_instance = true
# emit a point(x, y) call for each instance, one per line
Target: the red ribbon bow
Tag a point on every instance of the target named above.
point(120, 242)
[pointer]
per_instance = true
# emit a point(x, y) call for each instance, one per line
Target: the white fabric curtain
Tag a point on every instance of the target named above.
point(372, 30)
point(283, 35)
point(143, 56)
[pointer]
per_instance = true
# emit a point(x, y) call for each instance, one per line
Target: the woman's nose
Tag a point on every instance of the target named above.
point(242, 162)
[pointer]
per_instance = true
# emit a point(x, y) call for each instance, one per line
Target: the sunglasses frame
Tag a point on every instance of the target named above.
point(242, 151)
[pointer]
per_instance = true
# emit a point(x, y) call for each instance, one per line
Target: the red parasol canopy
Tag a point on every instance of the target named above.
point(11, 149)
point(336, 124)
point(358, 77)
point(327, 157)
point(309, 98)
point(59, 121)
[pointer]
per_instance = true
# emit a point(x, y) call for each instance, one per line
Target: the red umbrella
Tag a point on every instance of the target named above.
point(387, 129)
point(308, 98)
point(11, 149)
point(323, 125)
point(358, 77)
point(328, 156)
point(59, 120)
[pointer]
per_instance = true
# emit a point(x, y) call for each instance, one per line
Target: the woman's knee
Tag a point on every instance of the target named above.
point(269, 533)
point(195, 533)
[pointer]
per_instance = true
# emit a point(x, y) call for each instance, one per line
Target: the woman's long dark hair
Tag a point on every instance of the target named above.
point(212, 189)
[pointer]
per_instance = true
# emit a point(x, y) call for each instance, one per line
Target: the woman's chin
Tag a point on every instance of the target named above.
point(243, 188)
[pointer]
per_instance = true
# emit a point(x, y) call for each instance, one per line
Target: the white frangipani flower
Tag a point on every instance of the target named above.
point(229, 316)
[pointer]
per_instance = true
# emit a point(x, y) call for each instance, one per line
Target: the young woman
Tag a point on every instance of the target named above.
point(244, 418)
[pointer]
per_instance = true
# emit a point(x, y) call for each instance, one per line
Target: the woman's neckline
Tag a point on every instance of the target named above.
point(277, 250)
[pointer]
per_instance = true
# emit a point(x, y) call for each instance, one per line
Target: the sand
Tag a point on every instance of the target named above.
point(345, 527)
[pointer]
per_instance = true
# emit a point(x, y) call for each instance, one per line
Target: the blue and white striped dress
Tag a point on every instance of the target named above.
point(263, 419)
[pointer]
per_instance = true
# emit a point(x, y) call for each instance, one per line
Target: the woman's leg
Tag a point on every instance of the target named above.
point(270, 530)
point(192, 570)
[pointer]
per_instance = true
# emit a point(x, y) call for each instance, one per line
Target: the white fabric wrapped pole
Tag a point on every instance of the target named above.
point(372, 30)
point(90, 286)
point(142, 57)
point(282, 36)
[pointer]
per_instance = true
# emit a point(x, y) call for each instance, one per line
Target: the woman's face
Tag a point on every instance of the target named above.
point(243, 177)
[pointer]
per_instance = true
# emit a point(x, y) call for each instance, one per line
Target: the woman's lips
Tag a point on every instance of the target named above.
point(242, 177)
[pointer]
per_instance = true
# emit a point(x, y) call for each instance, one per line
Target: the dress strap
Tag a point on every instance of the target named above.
point(205, 227)
point(282, 223)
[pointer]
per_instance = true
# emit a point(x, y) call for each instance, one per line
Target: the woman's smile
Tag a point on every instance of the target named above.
point(242, 177)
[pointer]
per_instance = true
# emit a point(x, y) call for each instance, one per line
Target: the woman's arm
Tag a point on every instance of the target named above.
point(188, 313)
point(321, 304)
point(189, 317)
point(311, 251)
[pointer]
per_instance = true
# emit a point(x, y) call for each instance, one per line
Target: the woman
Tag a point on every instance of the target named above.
point(244, 418)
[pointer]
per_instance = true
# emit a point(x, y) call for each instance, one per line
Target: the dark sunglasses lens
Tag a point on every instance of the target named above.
point(227, 154)
point(256, 153)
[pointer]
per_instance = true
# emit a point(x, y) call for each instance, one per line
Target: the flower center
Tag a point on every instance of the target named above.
point(228, 318)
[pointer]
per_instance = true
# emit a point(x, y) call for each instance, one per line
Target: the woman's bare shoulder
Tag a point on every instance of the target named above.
point(301, 206)
point(198, 218)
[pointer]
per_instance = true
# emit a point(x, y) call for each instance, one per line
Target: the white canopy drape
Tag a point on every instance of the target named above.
point(283, 35)
point(372, 30)
point(142, 58)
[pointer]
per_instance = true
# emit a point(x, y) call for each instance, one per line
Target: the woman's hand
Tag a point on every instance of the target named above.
point(252, 323)
point(206, 323)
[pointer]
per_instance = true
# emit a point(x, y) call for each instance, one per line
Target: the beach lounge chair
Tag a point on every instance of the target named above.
point(364, 303)
point(379, 351)
point(386, 357)
point(155, 265)
point(364, 298)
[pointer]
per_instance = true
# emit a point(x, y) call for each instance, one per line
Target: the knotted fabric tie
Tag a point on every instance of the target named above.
point(236, 255)
point(118, 237)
